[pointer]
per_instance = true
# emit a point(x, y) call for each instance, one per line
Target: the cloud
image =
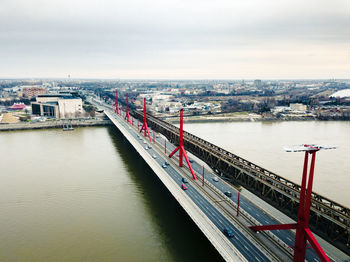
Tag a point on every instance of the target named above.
point(108, 38)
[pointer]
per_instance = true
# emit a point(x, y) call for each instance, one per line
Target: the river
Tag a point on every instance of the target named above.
point(86, 195)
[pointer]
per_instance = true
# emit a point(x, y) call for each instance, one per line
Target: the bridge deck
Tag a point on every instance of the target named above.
point(215, 216)
point(329, 219)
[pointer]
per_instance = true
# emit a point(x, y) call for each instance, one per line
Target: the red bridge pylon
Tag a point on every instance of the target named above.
point(144, 126)
point(116, 103)
point(181, 148)
point(303, 232)
point(127, 116)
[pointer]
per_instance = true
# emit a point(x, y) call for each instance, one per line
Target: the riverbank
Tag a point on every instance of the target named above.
point(237, 118)
point(55, 124)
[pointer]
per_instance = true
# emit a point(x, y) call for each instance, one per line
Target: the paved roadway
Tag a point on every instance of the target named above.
point(256, 212)
point(240, 241)
point(249, 250)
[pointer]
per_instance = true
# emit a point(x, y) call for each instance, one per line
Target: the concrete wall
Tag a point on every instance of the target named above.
point(70, 108)
point(45, 99)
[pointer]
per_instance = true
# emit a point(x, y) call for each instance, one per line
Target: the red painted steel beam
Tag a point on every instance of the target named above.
point(300, 240)
point(116, 103)
point(144, 126)
point(316, 246)
point(303, 233)
point(127, 116)
point(182, 152)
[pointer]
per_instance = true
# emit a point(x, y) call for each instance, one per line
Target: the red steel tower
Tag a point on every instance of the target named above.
point(116, 103)
point(303, 232)
point(144, 126)
point(180, 147)
point(127, 116)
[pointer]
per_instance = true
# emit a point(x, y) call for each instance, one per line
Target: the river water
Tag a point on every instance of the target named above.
point(262, 143)
point(86, 195)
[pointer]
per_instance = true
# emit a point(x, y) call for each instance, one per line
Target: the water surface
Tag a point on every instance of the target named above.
point(86, 195)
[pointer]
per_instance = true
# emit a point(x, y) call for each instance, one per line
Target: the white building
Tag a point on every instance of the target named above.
point(58, 106)
point(298, 107)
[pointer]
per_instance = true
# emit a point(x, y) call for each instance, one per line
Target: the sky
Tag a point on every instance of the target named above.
point(175, 39)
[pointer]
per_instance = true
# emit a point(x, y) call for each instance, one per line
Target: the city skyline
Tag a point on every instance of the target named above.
point(175, 39)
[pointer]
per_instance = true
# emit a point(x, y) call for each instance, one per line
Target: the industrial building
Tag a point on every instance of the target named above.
point(58, 106)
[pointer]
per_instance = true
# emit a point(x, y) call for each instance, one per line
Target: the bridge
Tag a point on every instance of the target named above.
point(329, 219)
point(205, 200)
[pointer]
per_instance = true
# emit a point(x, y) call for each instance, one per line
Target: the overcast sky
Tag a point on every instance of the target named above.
point(175, 39)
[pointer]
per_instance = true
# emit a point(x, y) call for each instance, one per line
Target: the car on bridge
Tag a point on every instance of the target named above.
point(154, 156)
point(164, 166)
point(215, 179)
point(184, 180)
point(166, 163)
point(228, 193)
point(228, 232)
point(184, 187)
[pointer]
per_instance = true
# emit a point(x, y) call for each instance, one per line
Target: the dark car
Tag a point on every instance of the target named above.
point(166, 163)
point(228, 193)
point(191, 160)
point(228, 232)
point(184, 180)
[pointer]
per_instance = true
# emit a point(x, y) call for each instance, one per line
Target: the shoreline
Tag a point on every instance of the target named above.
point(239, 119)
point(54, 124)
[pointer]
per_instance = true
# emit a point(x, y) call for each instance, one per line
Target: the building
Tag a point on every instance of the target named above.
point(58, 106)
point(345, 93)
point(257, 83)
point(33, 91)
point(298, 107)
point(17, 106)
